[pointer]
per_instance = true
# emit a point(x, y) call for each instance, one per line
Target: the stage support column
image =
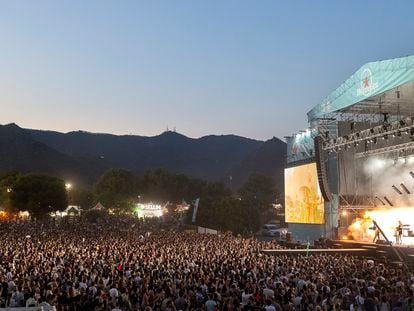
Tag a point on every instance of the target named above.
point(331, 217)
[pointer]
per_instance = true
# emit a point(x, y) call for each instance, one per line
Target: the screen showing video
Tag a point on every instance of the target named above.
point(303, 199)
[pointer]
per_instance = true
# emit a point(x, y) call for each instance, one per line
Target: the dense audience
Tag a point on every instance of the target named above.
point(124, 265)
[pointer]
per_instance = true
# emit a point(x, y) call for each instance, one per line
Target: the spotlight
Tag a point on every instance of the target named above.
point(344, 213)
point(388, 201)
point(411, 174)
point(405, 188)
point(396, 189)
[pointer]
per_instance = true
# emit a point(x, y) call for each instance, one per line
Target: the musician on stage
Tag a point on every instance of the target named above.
point(399, 232)
point(377, 234)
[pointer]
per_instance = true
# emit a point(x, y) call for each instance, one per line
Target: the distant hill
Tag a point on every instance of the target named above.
point(83, 156)
point(268, 159)
point(20, 151)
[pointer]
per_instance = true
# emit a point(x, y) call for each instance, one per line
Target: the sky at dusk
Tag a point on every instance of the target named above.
point(250, 68)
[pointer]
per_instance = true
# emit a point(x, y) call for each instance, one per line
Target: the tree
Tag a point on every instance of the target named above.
point(256, 197)
point(161, 185)
point(214, 211)
point(82, 197)
point(39, 195)
point(115, 188)
point(7, 184)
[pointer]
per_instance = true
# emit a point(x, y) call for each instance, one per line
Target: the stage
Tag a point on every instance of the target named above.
point(360, 137)
point(373, 251)
point(376, 250)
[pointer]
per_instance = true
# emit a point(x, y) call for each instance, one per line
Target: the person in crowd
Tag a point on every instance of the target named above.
point(106, 266)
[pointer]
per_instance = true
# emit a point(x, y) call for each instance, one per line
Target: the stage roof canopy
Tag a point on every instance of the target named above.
point(378, 87)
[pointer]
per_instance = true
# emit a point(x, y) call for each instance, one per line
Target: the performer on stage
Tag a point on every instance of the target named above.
point(377, 234)
point(399, 232)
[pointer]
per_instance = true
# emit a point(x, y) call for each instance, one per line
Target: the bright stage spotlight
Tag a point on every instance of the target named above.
point(405, 188)
point(396, 189)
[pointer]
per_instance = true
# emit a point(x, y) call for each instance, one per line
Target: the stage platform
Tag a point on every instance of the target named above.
point(301, 251)
point(371, 250)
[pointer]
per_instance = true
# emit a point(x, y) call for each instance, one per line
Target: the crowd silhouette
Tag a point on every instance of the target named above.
point(123, 264)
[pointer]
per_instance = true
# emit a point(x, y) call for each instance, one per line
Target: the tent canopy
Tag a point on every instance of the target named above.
point(98, 206)
point(363, 89)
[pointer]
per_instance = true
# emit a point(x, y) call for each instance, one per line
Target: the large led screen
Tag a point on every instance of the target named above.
point(303, 198)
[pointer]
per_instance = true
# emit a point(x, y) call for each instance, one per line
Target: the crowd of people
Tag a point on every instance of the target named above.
point(120, 264)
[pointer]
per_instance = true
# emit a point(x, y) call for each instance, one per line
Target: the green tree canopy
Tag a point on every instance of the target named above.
point(82, 197)
point(39, 195)
point(256, 198)
point(7, 184)
point(115, 188)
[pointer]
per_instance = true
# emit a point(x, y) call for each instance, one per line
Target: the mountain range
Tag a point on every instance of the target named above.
point(81, 157)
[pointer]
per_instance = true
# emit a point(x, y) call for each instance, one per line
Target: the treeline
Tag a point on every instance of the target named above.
point(120, 190)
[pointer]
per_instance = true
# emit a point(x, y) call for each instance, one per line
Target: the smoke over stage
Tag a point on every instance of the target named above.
point(376, 183)
point(388, 219)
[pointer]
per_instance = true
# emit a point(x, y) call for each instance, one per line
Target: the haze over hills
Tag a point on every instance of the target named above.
point(82, 156)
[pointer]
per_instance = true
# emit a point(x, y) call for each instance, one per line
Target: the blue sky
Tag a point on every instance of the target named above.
point(251, 68)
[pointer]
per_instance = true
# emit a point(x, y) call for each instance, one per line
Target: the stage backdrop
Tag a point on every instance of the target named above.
point(303, 199)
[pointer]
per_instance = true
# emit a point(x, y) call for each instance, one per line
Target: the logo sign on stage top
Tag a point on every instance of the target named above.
point(303, 198)
point(368, 86)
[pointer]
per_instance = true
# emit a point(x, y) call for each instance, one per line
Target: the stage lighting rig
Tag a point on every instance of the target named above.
point(388, 201)
point(383, 131)
point(379, 199)
point(397, 190)
point(405, 188)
